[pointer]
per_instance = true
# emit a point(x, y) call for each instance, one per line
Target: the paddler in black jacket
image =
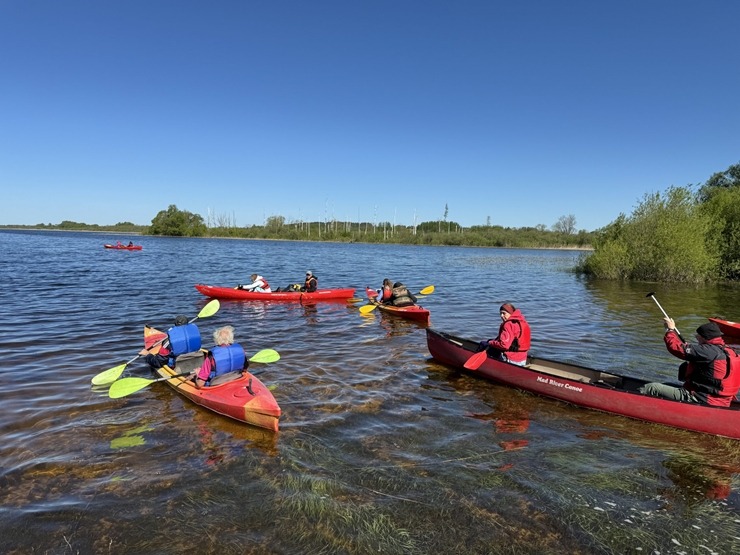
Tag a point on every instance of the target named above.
point(311, 284)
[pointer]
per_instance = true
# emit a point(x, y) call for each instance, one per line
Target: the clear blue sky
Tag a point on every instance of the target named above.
point(521, 111)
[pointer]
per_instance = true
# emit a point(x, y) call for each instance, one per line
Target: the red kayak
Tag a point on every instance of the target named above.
point(229, 293)
point(589, 388)
point(244, 397)
point(124, 247)
point(727, 327)
point(413, 312)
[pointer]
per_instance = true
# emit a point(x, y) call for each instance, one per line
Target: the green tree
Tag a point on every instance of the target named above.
point(728, 179)
point(667, 238)
point(723, 209)
point(178, 223)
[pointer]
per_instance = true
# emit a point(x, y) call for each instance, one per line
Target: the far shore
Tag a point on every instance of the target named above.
point(139, 234)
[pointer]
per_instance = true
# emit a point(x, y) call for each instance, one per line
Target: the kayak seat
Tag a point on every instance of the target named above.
point(225, 378)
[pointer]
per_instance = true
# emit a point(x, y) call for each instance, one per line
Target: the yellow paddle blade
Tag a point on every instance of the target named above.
point(428, 290)
point(210, 309)
point(127, 386)
point(108, 376)
point(265, 355)
point(368, 308)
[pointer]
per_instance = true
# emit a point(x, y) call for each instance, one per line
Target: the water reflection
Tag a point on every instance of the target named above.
point(378, 445)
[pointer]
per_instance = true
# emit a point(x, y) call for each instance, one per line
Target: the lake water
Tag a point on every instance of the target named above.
point(380, 450)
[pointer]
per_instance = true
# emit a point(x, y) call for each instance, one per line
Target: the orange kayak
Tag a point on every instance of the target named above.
point(244, 398)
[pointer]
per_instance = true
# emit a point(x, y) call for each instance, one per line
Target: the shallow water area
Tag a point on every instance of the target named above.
point(380, 448)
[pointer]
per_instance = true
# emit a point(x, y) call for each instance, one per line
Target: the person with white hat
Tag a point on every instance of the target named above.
point(311, 284)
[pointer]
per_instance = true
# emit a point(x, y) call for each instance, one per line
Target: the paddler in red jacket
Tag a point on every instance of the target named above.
point(514, 336)
point(710, 373)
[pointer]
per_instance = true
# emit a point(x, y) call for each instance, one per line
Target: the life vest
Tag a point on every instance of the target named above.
point(225, 359)
point(524, 341)
point(385, 294)
point(400, 296)
point(183, 339)
point(308, 285)
point(730, 384)
point(264, 285)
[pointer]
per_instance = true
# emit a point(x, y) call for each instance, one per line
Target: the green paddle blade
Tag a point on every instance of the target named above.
point(108, 376)
point(265, 355)
point(210, 309)
point(368, 308)
point(127, 386)
point(427, 290)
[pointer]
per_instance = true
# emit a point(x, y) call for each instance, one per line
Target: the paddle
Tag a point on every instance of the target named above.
point(652, 295)
point(368, 308)
point(475, 362)
point(127, 386)
point(112, 374)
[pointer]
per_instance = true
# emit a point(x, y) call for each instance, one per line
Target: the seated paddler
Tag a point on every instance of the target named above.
point(226, 357)
point(183, 337)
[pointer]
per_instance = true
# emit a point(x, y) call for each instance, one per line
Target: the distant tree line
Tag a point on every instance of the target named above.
point(686, 234)
point(177, 222)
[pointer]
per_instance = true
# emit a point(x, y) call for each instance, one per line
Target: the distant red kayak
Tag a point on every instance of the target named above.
point(413, 312)
point(727, 327)
point(123, 247)
point(229, 293)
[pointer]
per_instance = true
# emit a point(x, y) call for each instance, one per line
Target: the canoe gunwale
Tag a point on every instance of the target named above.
point(589, 388)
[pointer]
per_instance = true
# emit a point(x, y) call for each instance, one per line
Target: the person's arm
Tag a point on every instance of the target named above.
point(203, 372)
point(505, 338)
point(674, 344)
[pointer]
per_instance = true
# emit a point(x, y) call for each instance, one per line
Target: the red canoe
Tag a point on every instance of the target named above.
point(229, 293)
point(727, 327)
point(123, 247)
point(413, 312)
point(590, 388)
point(244, 398)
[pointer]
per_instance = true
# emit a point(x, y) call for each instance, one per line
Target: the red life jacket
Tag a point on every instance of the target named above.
point(266, 285)
point(730, 384)
point(524, 341)
point(385, 294)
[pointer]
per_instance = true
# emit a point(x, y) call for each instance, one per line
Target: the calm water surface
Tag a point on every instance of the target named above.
point(381, 450)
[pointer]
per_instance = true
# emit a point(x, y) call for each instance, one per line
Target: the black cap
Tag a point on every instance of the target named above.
point(181, 320)
point(710, 330)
